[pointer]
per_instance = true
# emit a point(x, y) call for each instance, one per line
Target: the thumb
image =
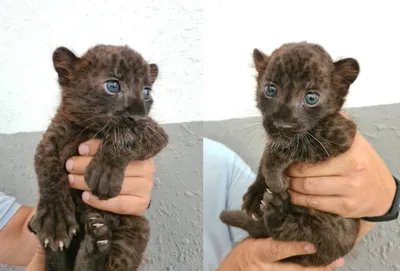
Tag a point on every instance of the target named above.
point(269, 250)
point(38, 261)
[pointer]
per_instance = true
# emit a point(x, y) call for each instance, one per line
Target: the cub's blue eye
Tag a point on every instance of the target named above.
point(311, 99)
point(112, 87)
point(146, 93)
point(270, 90)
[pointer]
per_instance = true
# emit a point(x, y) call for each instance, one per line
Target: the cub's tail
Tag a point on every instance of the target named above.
point(238, 219)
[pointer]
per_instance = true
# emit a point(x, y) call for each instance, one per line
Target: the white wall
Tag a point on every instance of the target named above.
point(177, 36)
point(166, 32)
point(368, 32)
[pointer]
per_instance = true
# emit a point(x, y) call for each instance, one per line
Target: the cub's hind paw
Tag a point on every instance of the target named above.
point(273, 203)
point(98, 237)
point(251, 201)
point(54, 223)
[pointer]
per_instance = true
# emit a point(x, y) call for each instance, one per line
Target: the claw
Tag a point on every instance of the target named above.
point(102, 242)
point(263, 202)
point(254, 217)
point(46, 242)
point(74, 231)
point(269, 191)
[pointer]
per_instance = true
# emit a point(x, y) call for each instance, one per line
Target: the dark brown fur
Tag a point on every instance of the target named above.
point(298, 133)
point(103, 240)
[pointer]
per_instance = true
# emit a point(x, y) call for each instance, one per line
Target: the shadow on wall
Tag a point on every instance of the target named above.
point(176, 211)
point(380, 125)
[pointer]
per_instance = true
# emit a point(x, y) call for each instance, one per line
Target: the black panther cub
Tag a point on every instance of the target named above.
point(106, 94)
point(300, 92)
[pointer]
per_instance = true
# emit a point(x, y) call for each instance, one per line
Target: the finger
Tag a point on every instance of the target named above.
point(38, 261)
point(90, 147)
point(284, 267)
point(336, 166)
point(272, 250)
point(124, 205)
point(330, 204)
point(295, 267)
point(140, 168)
point(331, 267)
point(344, 114)
point(78, 182)
point(77, 164)
point(338, 263)
point(323, 186)
point(137, 186)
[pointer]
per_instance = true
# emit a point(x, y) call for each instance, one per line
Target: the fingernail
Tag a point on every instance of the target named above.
point(310, 249)
point(85, 196)
point(83, 149)
point(70, 165)
point(71, 178)
point(339, 263)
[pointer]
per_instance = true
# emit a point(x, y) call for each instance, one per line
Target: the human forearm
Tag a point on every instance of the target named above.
point(265, 254)
point(227, 265)
point(18, 243)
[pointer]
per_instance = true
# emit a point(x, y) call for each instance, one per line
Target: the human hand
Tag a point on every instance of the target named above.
point(38, 261)
point(263, 255)
point(355, 184)
point(134, 198)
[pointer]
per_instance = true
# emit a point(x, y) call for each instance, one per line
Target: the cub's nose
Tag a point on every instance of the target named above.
point(283, 124)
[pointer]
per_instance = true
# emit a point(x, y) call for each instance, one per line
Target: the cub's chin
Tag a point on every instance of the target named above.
point(279, 139)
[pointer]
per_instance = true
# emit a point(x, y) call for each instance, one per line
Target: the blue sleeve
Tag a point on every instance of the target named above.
point(225, 180)
point(241, 177)
point(8, 207)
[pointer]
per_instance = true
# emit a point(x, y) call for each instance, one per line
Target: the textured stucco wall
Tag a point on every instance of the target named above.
point(168, 33)
point(176, 211)
point(380, 250)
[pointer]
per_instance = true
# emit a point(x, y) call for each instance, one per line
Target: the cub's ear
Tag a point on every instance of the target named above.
point(348, 69)
point(64, 62)
point(153, 72)
point(260, 60)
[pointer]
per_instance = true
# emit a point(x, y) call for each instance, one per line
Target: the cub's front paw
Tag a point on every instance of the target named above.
point(273, 203)
point(152, 140)
point(54, 223)
point(98, 238)
point(104, 180)
point(251, 201)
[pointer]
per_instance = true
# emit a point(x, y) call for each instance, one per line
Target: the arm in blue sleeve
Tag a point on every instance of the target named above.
point(8, 207)
point(240, 178)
